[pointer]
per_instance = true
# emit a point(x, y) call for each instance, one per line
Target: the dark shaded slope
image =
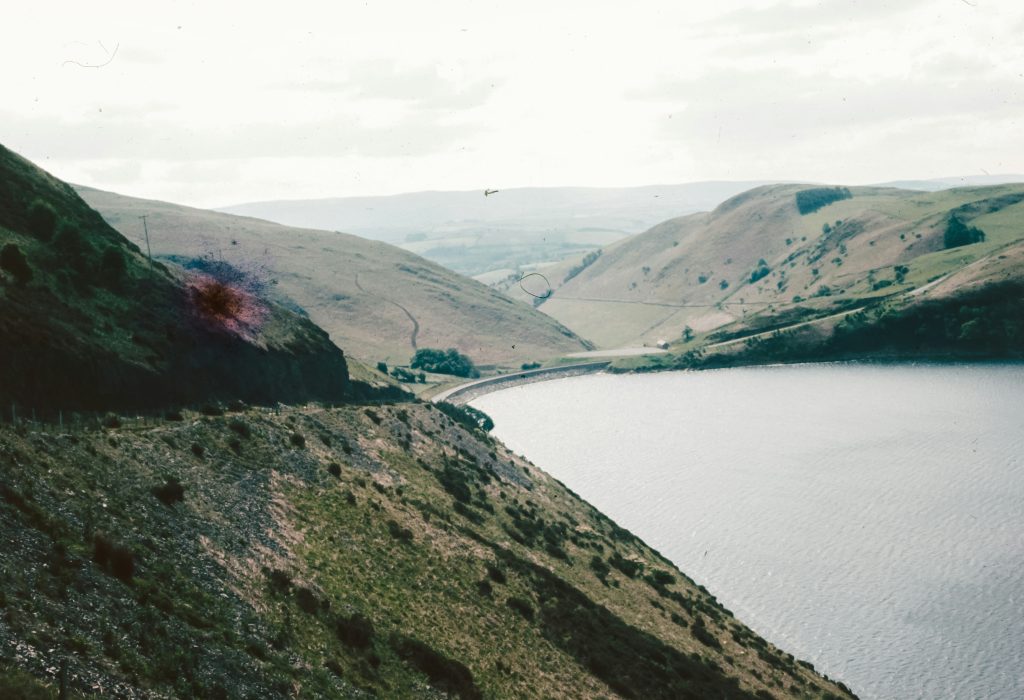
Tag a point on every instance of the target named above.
point(88, 323)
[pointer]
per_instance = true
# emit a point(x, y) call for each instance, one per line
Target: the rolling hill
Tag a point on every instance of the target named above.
point(376, 301)
point(88, 323)
point(757, 263)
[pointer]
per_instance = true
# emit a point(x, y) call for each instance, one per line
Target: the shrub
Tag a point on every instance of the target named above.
point(240, 427)
point(402, 534)
point(13, 261)
point(658, 578)
point(21, 685)
point(762, 270)
point(588, 260)
point(403, 375)
point(72, 249)
point(496, 574)
point(447, 675)
point(122, 563)
point(197, 449)
point(306, 600)
point(724, 284)
point(101, 549)
point(297, 440)
point(279, 580)
point(112, 268)
point(170, 492)
point(484, 588)
point(600, 569)
point(521, 606)
point(627, 566)
point(811, 200)
point(334, 469)
point(701, 634)
point(382, 367)
point(355, 631)
point(42, 220)
point(449, 361)
point(211, 409)
point(111, 420)
point(173, 416)
point(529, 365)
point(467, 416)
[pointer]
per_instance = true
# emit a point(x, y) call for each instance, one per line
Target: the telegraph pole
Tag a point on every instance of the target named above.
point(145, 228)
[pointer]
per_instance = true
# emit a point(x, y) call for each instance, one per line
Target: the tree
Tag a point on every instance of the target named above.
point(382, 367)
point(13, 261)
point(687, 334)
point(958, 233)
point(813, 199)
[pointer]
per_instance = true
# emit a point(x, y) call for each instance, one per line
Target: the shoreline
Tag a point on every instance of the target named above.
point(464, 393)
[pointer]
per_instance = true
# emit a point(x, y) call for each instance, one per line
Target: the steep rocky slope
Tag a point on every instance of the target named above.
point(344, 552)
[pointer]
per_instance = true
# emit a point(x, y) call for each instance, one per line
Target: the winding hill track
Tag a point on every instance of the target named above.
point(415, 323)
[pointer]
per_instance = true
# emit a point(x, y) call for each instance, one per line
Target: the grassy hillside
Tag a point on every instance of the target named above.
point(344, 552)
point(976, 313)
point(509, 230)
point(376, 301)
point(88, 323)
point(756, 262)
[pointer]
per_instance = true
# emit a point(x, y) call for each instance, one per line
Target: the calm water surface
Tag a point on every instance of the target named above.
point(869, 519)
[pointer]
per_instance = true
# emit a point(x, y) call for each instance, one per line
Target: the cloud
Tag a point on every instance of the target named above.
point(422, 87)
point(339, 135)
point(817, 16)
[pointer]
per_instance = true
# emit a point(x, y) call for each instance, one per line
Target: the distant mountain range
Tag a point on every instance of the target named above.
point(520, 229)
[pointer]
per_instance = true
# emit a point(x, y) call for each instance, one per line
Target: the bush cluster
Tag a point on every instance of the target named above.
point(449, 361)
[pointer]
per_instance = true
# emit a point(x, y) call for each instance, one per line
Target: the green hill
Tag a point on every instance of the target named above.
point(376, 301)
point(88, 323)
point(757, 263)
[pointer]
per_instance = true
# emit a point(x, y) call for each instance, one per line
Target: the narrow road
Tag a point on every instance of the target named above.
point(765, 334)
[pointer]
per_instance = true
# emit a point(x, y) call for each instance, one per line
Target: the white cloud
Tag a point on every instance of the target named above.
point(211, 104)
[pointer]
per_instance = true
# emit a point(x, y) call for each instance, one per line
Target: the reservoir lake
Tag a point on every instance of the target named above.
point(866, 518)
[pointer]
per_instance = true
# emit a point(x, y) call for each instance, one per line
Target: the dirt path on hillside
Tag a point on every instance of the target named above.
point(415, 324)
point(765, 334)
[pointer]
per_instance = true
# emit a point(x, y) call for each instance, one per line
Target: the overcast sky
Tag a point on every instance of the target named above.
point(200, 104)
